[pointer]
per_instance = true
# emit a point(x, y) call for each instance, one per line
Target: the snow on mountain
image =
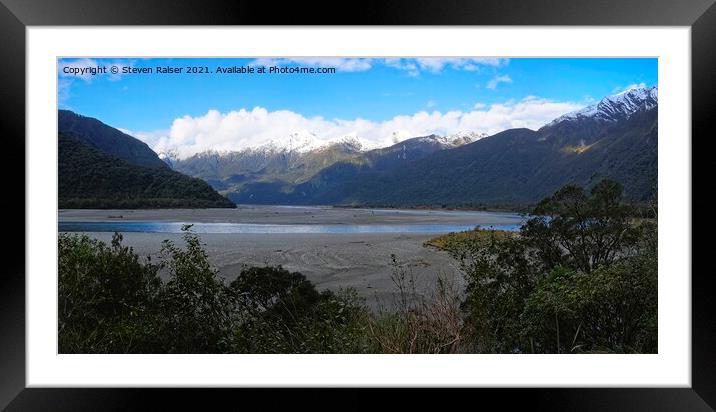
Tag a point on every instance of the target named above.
point(169, 157)
point(616, 107)
point(349, 143)
point(305, 142)
point(464, 137)
point(457, 139)
point(299, 142)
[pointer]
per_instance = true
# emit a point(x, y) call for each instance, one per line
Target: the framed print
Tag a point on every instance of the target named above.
point(462, 196)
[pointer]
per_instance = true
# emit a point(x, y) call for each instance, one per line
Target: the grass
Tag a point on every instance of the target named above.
point(415, 323)
point(444, 242)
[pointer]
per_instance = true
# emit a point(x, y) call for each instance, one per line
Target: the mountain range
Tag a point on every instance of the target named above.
point(232, 172)
point(614, 138)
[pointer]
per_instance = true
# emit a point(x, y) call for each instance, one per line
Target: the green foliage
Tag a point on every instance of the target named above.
point(89, 178)
point(106, 297)
point(581, 232)
point(107, 139)
point(195, 305)
point(612, 309)
point(500, 272)
point(285, 314)
point(581, 277)
point(110, 301)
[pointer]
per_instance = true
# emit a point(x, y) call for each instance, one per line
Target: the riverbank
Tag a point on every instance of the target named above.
point(330, 261)
point(292, 215)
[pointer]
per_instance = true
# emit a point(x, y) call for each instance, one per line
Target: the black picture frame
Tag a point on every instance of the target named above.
point(16, 15)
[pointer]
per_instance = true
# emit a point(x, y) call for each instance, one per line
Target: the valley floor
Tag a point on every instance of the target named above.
point(330, 261)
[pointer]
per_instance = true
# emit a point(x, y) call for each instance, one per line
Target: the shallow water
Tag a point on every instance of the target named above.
point(285, 220)
point(175, 227)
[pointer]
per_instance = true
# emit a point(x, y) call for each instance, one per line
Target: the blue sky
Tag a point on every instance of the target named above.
point(396, 97)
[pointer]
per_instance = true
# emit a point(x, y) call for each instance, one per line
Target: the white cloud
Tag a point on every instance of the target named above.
point(63, 92)
point(339, 63)
point(242, 129)
point(492, 84)
point(414, 66)
point(407, 65)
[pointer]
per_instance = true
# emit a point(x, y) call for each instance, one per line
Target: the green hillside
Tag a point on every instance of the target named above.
point(89, 178)
point(514, 167)
point(107, 139)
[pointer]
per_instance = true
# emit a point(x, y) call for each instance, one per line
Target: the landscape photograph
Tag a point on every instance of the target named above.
point(357, 205)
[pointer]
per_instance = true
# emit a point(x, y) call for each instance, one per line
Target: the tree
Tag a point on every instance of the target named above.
point(580, 276)
point(500, 273)
point(196, 306)
point(582, 232)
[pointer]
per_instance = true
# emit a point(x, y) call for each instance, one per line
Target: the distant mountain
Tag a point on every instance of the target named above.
point(107, 139)
point(614, 108)
point(229, 171)
point(521, 166)
point(463, 137)
point(615, 138)
point(270, 166)
point(407, 151)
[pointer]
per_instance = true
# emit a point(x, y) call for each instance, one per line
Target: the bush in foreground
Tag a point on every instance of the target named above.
point(111, 301)
point(581, 276)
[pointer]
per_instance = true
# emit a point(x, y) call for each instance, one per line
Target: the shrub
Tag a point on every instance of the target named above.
point(195, 307)
point(113, 302)
point(285, 314)
point(581, 276)
point(500, 273)
point(105, 297)
point(612, 309)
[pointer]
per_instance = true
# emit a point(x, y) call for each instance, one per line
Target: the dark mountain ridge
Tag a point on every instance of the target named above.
point(616, 138)
point(107, 139)
point(101, 167)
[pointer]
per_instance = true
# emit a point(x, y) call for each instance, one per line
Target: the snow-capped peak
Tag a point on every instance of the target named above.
point(351, 143)
point(303, 142)
point(298, 142)
point(615, 107)
point(453, 140)
point(464, 137)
